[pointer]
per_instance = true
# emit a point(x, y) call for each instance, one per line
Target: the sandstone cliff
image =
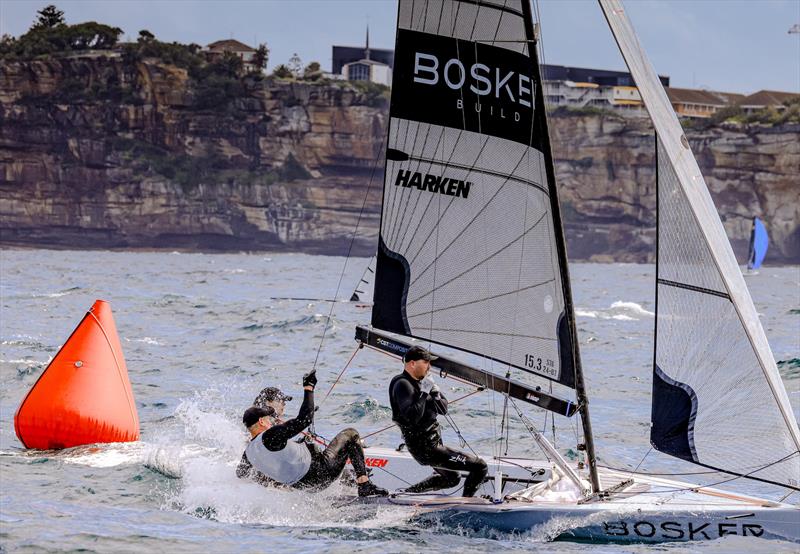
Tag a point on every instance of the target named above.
point(98, 151)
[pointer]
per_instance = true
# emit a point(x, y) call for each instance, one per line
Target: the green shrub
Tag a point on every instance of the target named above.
point(60, 39)
point(375, 94)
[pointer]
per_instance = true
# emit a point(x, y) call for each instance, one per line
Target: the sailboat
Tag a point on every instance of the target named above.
point(759, 243)
point(472, 257)
point(363, 289)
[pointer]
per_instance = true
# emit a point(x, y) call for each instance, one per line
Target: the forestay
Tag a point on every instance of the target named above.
point(718, 399)
point(471, 250)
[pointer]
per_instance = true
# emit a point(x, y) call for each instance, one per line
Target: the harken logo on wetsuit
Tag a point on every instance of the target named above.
point(432, 183)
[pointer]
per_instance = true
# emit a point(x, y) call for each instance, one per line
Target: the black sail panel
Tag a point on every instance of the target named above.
point(469, 251)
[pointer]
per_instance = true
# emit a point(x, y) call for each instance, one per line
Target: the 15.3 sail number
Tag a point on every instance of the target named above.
point(540, 366)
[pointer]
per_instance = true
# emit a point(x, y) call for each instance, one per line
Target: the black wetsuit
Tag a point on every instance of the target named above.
point(326, 465)
point(415, 413)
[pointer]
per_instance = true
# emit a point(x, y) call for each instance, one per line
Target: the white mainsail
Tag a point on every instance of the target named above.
point(468, 253)
point(718, 397)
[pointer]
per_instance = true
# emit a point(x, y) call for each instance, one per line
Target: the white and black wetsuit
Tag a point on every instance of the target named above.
point(415, 413)
point(272, 458)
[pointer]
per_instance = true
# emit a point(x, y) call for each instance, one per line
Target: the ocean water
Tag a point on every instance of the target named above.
point(202, 334)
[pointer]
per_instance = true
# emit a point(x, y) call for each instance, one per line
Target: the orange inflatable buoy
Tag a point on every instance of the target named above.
point(84, 396)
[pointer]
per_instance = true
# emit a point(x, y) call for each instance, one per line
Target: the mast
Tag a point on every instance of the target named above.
point(580, 385)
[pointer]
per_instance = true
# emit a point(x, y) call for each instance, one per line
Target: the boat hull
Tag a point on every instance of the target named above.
point(640, 509)
point(610, 525)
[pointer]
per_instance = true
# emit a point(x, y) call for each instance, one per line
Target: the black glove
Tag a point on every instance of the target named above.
point(310, 379)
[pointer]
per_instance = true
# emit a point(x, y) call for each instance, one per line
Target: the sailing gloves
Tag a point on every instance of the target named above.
point(429, 386)
point(310, 379)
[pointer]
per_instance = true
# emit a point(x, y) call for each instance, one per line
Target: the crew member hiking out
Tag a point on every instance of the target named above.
point(416, 401)
point(272, 458)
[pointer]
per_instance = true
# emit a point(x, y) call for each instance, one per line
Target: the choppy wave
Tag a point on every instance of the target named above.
point(145, 340)
point(620, 310)
point(368, 407)
point(789, 369)
point(63, 292)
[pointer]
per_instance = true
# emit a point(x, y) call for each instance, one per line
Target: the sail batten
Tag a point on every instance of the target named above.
point(468, 254)
point(718, 399)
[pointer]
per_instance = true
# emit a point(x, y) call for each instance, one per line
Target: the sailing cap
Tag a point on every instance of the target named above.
point(418, 353)
point(254, 413)
point(270, 394)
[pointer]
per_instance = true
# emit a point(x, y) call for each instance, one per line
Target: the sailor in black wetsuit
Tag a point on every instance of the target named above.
point(272, 458)
point(415, 411)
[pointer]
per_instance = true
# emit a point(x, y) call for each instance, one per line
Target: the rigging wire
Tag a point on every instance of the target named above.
point(394, 424)
point(349, 250)
point(327, 394)
point(714, 484)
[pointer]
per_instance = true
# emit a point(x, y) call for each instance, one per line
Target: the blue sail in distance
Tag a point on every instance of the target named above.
point(759, 243)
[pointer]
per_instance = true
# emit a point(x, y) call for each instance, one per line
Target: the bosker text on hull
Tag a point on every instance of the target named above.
point(485, 272)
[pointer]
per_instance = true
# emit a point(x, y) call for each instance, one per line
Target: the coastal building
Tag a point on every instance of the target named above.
point(221, 47)
point(356, 63)
point(582, 87)
point(591, 95)
point(766, 99)
point(600, 77)
point(698, 103)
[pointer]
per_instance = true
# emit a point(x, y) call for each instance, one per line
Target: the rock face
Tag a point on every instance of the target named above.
point(97, 152)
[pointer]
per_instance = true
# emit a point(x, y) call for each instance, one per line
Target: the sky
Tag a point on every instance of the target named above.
point(728, 45)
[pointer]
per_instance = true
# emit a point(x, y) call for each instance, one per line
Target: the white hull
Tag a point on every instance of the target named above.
point(395, 470)
point(648, 509)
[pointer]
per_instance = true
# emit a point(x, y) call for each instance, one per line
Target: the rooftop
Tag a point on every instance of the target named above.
point(692, 96)
point(767, 98)
point(231, 45)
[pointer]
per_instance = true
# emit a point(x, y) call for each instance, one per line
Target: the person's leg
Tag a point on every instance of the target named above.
point(343, 446)
point(448, 463)
point(441, 479)
point(347, 445)
point(457, 460)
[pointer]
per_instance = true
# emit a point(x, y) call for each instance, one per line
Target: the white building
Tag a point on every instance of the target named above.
point(366, 68)
point(582, 95)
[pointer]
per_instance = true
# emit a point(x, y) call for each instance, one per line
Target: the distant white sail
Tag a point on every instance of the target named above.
point(718, 399)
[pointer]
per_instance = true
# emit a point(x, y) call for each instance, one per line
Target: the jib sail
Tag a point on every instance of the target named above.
point(471, 251)
point(718, 399)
